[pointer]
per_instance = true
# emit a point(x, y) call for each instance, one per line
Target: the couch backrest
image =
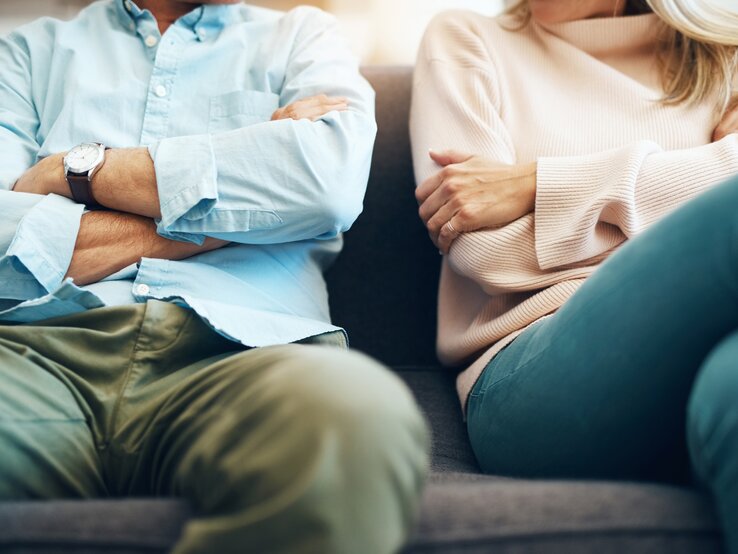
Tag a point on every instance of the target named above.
point(383, 288)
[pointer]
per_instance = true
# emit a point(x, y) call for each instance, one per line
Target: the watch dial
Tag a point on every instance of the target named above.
point(82, 158)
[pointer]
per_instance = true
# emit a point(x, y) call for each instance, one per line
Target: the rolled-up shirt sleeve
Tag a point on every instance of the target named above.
point(37, 238)
point(277, 181)
point(18, 117)
point(37, 233)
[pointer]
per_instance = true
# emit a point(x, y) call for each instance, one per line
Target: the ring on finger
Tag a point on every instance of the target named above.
point(450, 228)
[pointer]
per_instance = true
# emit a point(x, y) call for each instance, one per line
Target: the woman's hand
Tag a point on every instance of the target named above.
point(313, 108)
point(729, 123)
point(472, 193)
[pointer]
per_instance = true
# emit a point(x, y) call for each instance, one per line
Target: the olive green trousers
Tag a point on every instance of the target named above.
point(286, 449)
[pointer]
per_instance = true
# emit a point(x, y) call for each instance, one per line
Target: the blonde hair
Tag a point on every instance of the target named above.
point(698, 51)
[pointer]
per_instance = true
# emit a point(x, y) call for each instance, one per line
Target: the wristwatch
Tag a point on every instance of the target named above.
point(80, 165)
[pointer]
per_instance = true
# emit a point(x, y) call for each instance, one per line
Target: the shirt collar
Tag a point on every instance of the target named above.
point(209, 18)
point(127, 17)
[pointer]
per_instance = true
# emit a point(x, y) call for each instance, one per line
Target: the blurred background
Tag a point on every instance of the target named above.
point(380, 31)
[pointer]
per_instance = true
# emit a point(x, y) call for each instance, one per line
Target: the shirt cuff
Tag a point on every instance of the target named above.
point(44, 240)
point(187, 181)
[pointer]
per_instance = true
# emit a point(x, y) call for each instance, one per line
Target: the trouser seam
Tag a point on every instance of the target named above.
point(118, 401)
point(137, 349)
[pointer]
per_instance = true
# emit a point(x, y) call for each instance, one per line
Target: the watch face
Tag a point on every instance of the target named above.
point(83, 158)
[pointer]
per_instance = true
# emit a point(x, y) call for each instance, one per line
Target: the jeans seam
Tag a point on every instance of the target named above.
point(734, 257)
point(515, 371)
point(479, 397)
point(705, 465)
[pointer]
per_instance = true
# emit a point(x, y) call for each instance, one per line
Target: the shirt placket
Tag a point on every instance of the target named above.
point(165, 53)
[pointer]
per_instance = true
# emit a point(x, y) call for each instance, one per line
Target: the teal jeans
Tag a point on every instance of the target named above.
point(636, 376)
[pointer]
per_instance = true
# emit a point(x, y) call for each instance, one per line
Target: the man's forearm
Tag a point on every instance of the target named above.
point(127, 180)
point(127, 183)
point(110, 241)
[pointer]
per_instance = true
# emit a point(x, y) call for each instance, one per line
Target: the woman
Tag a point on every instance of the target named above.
point(559, 132)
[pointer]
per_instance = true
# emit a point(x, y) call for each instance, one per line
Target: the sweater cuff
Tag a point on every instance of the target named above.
point(574, 194)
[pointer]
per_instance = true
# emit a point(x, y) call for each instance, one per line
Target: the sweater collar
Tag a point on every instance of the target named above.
point(606, 36)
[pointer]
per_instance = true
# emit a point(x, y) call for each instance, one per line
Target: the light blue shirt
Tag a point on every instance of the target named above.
point(200, 97)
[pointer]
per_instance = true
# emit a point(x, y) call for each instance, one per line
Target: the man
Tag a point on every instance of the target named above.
point(145, 339)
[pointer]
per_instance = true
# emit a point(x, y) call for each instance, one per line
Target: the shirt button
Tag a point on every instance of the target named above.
point(142, 290)
point(151, 41)
point(160, 91)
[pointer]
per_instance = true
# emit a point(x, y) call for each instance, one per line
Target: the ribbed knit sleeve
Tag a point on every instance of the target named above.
point(456, 105)
point(455, 97)
point(587, 205)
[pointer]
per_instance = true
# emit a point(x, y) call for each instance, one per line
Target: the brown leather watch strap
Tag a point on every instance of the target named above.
point(81, 191)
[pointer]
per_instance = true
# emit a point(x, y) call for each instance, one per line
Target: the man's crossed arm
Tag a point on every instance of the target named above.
point(111, 240)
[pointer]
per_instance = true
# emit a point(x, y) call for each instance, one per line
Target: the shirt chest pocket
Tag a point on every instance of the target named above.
point(240, 109)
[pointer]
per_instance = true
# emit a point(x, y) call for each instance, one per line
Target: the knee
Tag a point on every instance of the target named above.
point(313, 394)
point(302, 432)
point(326, 443)
point(712, 418)
point(368, 429)
point(356, 398)
point(354, 415)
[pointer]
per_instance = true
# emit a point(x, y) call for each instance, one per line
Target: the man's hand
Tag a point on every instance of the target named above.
point(312, 108)
point(729, 123)
point(472, 193)
point(110, 241)
point(46, 177)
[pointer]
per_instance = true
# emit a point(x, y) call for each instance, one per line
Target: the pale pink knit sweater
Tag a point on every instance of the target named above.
point(581, 98)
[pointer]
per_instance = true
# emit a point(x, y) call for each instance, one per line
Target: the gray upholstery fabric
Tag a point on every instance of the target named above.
point(110, 526)
point(436, 395)
point(486, 514)
point(383, 290)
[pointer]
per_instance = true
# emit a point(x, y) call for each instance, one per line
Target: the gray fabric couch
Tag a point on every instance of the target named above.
point(383, 290)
